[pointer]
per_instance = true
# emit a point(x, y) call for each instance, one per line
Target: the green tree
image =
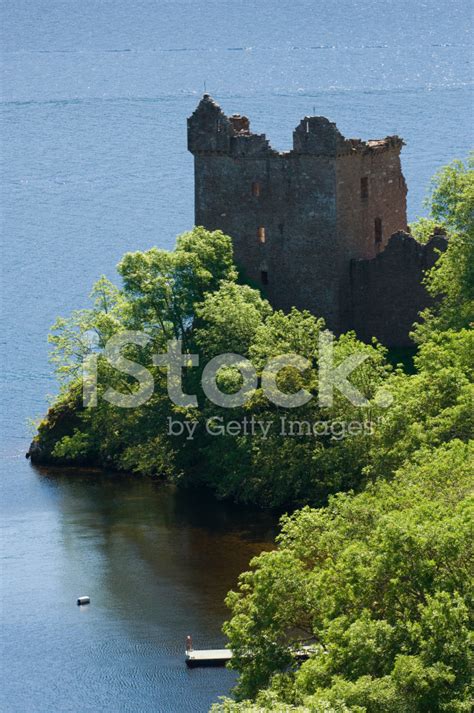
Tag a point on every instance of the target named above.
point(165, 286)
point(159, 293)
point(78, 336)
point(451, 280)
point(228, 320)
point(378, 584)
point(424, 229)
point(290, 463)
point(430, 407)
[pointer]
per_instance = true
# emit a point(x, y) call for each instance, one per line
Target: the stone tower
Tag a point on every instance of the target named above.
point(297, 218)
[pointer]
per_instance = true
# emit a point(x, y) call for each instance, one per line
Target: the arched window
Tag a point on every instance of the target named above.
point(261, 235)
point(256, 188)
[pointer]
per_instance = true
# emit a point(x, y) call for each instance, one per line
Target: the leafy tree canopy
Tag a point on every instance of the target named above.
point(379, 587)
point(451, 280)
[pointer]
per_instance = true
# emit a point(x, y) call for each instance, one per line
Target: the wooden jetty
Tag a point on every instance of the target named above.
point(219, 657)
point(207, 657)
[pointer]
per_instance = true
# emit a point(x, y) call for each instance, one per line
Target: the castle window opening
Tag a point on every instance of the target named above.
point(264, 277)
point(256, 189)
point(364, 188)
point(261, 235)
point(378, 230)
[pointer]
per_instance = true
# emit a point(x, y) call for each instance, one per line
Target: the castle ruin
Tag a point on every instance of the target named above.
point(320, 227)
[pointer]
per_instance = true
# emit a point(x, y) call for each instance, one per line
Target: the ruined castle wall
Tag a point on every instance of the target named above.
point(387, 193)
point(294, 260)
point(371, 206)
point(387, 290)
point(308, 262)
point(225, 201)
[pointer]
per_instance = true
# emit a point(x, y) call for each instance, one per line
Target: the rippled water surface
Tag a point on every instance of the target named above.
point(95, 97)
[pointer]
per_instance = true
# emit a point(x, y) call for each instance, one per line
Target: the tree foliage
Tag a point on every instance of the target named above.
point(451, 280)
point(378, 584)
point(192, 294)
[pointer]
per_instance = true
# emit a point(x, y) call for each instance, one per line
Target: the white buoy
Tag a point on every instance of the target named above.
point(83, 600)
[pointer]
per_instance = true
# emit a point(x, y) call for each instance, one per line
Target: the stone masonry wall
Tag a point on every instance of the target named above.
point(387, 291)
point(359, 206)
point(279, 208)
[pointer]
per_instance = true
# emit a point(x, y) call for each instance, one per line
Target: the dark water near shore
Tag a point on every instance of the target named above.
point(157, 565)
point(95, 97)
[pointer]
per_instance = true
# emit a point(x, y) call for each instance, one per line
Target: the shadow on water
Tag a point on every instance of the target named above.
point(159, 543)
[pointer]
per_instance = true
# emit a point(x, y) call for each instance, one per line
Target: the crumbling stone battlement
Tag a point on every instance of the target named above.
point(319, 136)
point(307, 223)
point(240, 124)
point(210, 130)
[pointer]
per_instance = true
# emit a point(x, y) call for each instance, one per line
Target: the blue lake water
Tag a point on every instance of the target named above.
point(94, 102)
